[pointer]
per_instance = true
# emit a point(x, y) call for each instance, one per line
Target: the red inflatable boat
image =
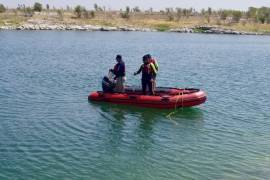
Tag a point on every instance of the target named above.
point(165, 98)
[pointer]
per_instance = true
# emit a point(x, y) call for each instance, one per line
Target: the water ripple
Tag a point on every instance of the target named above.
point(48, 129)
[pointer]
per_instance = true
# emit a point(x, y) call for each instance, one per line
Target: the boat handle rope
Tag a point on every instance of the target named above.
point(175, 107)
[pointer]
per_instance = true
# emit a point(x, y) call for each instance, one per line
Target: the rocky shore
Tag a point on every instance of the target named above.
point(61, 27)
point(213, 30)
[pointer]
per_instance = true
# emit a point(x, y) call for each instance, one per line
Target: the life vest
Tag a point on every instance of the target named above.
point(152, 60)
point(149, 69)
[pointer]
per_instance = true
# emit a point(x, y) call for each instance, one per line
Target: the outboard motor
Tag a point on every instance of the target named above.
point(107, 85)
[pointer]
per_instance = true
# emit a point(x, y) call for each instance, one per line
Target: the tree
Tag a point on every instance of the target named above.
point(37, 7)
point(126, 14)
point(92, 14)
point(128, 9)
point(236, 15)
point(136, 9)
point(68, 8)
point(85, 13)
point(252, 12)
point(2, 8)
point(47, 7)
point(19, 7)
point(169, 13)
point(186, 12)
point(78, 11)
point(96, 7)
point(169, 10)
point(178, 13)
point(263, 15)
point(267, 15)
point(150, 10)
point(223, 14)
point(191, 11)
point(203, 12)
point(209, 11)
point(28, 12)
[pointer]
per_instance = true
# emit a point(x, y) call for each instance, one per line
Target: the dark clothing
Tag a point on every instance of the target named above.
point(147, 83)
point(147, 72)
point(119, 70)
point(107, 85)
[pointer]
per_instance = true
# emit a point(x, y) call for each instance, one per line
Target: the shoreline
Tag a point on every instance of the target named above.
point(205, 29)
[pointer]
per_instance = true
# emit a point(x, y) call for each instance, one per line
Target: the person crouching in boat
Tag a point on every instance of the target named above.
point(148, 71)
point(119, 71)
point(154, 61)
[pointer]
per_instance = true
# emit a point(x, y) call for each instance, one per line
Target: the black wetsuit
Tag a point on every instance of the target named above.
point(147, 78)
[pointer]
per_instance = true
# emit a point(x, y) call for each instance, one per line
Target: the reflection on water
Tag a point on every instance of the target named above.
point(147, 116)
point(142, 130)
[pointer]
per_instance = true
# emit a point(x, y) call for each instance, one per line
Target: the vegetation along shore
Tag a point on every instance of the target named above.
point(254, 21)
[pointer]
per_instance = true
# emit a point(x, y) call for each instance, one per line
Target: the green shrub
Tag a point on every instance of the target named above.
point(37, 7)
point(236, 16)
point(92, 14)
point(2, 8)
point(263, 15)
point(78, 11)
point(98, 8)
point(162, 27)
point(136, 9)
point(126, 14)
point(223, 14)
point(28, 12)
point(198, 30)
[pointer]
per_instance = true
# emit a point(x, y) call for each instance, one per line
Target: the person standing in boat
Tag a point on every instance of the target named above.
point(119, 71)
point(148, 70)
point(154, 61)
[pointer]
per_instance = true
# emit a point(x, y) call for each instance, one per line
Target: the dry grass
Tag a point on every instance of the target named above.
point(252, 27)
point(11, 18)
point(157, 21)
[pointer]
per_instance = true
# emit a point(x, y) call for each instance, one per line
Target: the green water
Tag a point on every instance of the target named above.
point(49, 130)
